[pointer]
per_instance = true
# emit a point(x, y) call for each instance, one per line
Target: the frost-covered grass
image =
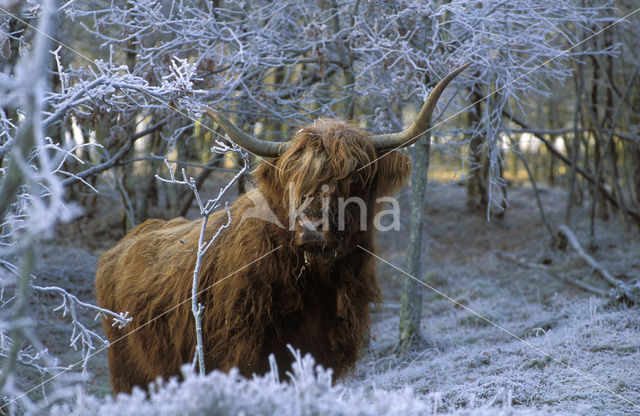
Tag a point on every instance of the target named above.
point(473, 363)
point(496, 377)
point(309, 392)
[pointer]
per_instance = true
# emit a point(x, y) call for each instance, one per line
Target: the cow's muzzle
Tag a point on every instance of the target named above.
point(310, 232)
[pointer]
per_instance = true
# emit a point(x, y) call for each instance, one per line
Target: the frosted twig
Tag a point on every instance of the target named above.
point(203, 244)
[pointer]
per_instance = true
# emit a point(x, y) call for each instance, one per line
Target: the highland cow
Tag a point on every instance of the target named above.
point(267, 286)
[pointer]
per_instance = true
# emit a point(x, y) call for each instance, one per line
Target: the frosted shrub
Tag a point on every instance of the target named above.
point(309, 391)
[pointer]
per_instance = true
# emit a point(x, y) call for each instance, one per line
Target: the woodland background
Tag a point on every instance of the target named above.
point(531, 174)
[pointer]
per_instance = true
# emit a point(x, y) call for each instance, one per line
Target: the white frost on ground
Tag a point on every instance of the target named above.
point(497, 376)
point(310, 392)
point(480, 365)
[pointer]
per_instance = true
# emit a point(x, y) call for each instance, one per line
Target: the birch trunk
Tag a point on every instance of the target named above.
point(411, 300)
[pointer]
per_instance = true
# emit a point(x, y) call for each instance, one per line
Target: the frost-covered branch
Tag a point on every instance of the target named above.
point(113, 160)
point(80, 332)
point(205, 242)
point(279, 64)
point(21, 174)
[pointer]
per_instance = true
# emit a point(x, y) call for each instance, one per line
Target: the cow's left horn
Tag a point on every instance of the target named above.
point(421, 124)
point(246, 141)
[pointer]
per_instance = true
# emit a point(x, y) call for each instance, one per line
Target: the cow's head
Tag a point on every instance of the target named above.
point(331, 171)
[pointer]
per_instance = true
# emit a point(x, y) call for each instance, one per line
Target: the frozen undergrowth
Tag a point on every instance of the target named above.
point(476, 364)
point(493, 377)
point(310, 392)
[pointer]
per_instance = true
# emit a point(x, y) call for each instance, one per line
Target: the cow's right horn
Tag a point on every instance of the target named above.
point(246, 141)
point(422, 122)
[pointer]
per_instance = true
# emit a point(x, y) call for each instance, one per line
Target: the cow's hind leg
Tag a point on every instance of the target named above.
point(123, 371)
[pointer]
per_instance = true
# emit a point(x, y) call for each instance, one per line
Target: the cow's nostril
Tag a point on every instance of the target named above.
point(311, 237)
point(308, 231)
point(317, 225)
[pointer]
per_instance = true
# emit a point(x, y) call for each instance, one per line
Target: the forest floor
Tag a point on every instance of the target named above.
point(532, 340)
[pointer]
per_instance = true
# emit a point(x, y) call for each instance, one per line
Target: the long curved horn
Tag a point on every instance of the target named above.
point(246, 141)
point(421, 124)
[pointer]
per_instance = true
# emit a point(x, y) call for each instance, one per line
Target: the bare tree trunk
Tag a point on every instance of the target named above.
point(576, 145)
point(598, 199)
point(634, 155)
point(129, 181)
point(635, 160)
point(157, 146)
point(481, 187)
point(553, 124)
point(502, 188)
point(411, 300)
point(346, 62)
point(476, 186)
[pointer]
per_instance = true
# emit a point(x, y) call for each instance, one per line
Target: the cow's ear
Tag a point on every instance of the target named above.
point(392, 173)
point(267, 178)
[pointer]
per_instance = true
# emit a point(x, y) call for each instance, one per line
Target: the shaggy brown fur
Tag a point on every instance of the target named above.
point(318, 305)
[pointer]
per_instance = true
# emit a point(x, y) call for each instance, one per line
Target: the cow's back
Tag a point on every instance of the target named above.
point(108, 272)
